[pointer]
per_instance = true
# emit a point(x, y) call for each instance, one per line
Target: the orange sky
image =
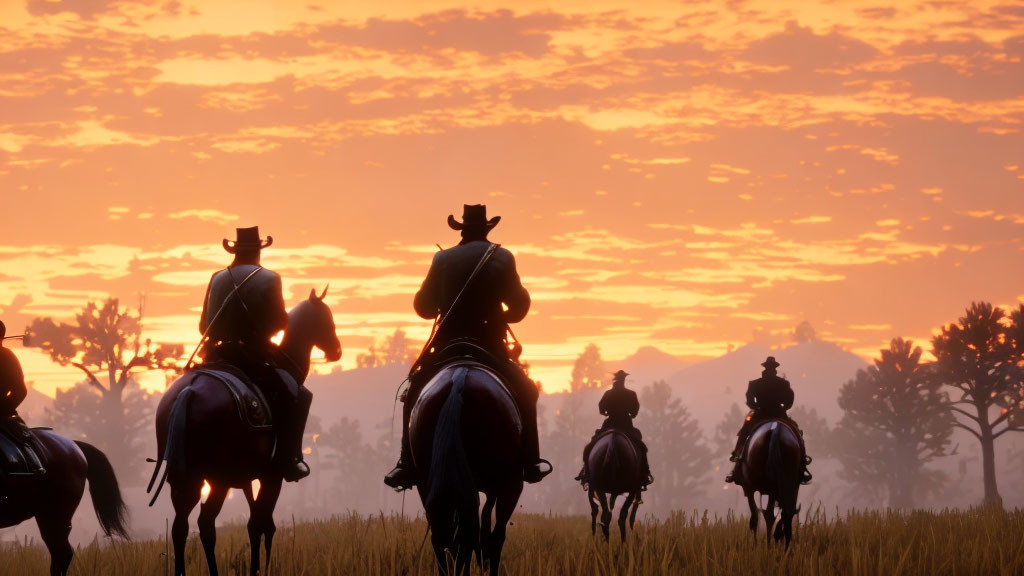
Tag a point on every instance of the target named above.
point(673, 174)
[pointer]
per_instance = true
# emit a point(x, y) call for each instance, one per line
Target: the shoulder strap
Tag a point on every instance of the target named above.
point(223, 305)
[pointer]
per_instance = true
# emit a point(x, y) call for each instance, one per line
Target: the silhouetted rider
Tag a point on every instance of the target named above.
point(494, 299)
point(242, 311)
point(768, 397)
point(620, 405)
point(12, 388)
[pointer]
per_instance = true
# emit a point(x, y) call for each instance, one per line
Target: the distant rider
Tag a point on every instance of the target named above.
point(620, 405)
point(769, 397)
point(242, 311)
point(493, 300)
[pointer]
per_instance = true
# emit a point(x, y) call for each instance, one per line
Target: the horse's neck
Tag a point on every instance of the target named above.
point(296, 351)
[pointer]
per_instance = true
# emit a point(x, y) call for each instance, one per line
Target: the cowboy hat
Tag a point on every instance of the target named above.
point(474, 216)
point(247, 239)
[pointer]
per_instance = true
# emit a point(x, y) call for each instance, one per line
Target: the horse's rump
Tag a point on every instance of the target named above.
point(614, 463)
point(491, 424)
point(771, 454)
point(214, 433)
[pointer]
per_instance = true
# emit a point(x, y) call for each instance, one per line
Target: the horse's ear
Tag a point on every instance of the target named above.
point(312, 293)
point(324, 293)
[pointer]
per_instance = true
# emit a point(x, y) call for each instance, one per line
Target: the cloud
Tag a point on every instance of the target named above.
point(205, 215)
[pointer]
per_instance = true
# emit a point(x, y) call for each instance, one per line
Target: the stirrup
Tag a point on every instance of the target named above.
point(400, 478)
point(535, 471)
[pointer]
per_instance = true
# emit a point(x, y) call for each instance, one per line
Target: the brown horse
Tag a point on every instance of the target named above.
point(222, 450)
point(465, 433)
point(771, 467)
point(54, 496)
point(615, 469)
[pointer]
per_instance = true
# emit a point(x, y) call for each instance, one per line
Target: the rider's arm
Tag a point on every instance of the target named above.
point(204, 322)
point(279, 315)
point(634, 405)
point(427, 302)
point(12, 379)
point(602, 406)
point(516, 298)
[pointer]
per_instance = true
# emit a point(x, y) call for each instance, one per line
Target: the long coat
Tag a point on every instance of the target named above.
point(261, 317)
point(495, 299)
point(12, 382)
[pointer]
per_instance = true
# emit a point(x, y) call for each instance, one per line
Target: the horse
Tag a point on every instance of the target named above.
point(53, 497)
point(770, 466)
point(465, 433)
point(615, 468)
point(223, 451)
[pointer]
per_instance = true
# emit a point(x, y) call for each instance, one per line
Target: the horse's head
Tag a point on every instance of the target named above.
point(314, 318)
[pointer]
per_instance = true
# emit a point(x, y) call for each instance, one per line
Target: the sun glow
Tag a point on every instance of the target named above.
point(204, 492)
point(255, 489)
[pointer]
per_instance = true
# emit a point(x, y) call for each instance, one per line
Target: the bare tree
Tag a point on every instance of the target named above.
point(105, 342)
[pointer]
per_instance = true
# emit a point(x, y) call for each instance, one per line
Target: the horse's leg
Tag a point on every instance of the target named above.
point(769, 517)
point(270, 491)
point(440, 538)
point(54, 529)
point(483, 554)
point(184, 497)
point(208, 512)
point(506, 506)
point(592, 496)
point(253, 528)
point(632, 514)
point(606, 514)
point(754, 511)
point(624, 513)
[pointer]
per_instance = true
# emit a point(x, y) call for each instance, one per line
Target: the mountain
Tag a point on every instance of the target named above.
point(647, 365)
point(816, 370)
point(364, 394)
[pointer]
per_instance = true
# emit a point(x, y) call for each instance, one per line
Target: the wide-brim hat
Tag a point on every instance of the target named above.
point(474, 217)
point(620, 375)
point(247, 239)
point(770, 363)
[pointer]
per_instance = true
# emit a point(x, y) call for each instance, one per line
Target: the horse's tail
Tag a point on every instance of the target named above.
point(451, 478)
point(174, 453)
point(779, 478)
point(105, 493)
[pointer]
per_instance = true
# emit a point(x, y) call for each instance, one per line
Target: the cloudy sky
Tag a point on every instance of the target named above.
point(680, 174)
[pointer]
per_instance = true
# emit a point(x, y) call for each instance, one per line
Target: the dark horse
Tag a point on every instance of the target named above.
point(615, 469)
point(53, 497)
point(771, 467)
point(225, 452)
point(465, 433)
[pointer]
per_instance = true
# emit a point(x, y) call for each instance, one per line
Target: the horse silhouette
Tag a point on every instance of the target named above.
point(771, 466)
point(615, 469)
point(465, 433)
point(53, 497)
point(216, 446)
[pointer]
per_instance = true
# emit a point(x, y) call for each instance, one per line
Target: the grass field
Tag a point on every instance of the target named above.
point(976, 542)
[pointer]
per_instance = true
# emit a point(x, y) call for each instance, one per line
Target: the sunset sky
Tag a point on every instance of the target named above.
point(676, 174)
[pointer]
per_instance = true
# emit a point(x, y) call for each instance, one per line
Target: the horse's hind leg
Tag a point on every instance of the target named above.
point(592, 496)
point(624, 513)
point(208, 512)
point(632, 513)
point(754, 511)
point(606, 514)
point(184, 498)
point(54, 530)
point(270, 491)
point(769, 517)
point(255, 531)
point(506, 506)
point(483, 553)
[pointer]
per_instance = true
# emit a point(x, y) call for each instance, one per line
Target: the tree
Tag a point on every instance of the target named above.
point(816, 431)
point(896, 420)
point(679, 457)
point(106, 344)
point(977, 356)
point(724, 439)
point(589, 369)
point(398, 350)
point(804, 332)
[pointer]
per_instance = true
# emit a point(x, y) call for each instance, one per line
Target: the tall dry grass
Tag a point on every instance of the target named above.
point(982, 542)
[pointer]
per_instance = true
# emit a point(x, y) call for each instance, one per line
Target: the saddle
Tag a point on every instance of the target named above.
point(633, 441)
point(20, 452)
point(253, 407)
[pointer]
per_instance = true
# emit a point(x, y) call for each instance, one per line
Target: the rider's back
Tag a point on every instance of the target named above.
point(479, 315)
point(620, 405)
point(255, 316)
